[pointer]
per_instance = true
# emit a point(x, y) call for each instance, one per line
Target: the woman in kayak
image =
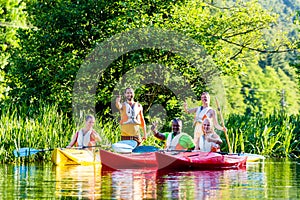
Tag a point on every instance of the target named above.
point(201, 113)
point(210, 141)
point(87, 136)
point(176, 140)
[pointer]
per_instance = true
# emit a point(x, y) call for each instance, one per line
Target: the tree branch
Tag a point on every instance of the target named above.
point(258, 50)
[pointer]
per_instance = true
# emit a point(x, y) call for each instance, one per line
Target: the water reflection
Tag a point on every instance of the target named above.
point(250, 183)
point(198, 184)
point(78, 181)
point(141, 184)
point(28, 181)
point(271, 179)
point(22, 174)
point(130, 184)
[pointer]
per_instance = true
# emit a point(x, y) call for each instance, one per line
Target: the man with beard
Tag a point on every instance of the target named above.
point(132, 118)
point(176, 140)
point(201, 113)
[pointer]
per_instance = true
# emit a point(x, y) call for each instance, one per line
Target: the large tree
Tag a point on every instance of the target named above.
point(12, 18)
point(65, 32)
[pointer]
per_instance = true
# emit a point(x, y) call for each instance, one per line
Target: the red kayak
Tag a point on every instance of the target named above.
point(198, 160)
point(115, 161)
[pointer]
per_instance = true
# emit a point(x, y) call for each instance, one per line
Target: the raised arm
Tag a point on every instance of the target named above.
point(73, 141)
point(185, 107)
point(216, 123)
point(118, 103)
point(156, 133)
point(96, 136)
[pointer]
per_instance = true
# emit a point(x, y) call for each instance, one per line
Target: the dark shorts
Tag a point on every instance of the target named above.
point(136, 138)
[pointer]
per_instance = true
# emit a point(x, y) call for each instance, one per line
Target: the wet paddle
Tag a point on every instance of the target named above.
point(250, 157)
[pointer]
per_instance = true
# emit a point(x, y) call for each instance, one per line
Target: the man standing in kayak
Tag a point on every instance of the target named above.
point(201, 113)
point(176, 140)
point(132, 118)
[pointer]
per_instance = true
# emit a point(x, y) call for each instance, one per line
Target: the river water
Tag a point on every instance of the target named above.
point(270, 179)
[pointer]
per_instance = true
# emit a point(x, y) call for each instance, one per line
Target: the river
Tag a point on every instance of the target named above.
point(269, 179)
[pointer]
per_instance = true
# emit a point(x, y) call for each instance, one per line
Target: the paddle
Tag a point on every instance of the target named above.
point(26, 151)
point(223, 124)
point(124, 146)
point(252, 157)
point(145, 149)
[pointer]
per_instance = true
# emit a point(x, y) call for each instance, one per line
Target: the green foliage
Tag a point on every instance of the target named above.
point(275, 135)
point(12, 17)
point(22, 129)
point(226, 31)
point(45, 59)
point(51, 53)
point(65, 32)
point(235, 100)
point(297, 64)
point(48, 128)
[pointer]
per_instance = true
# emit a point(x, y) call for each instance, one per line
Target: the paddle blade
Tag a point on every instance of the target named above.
point(131, 143)
point(25, 152)
point(145, 149)
point(122, 148)
point(253, 157)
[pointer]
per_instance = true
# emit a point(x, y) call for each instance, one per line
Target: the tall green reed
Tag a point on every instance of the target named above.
point(273, 135)
point(47, 127)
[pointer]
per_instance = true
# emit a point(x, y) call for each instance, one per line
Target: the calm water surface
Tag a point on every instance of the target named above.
point(271, 179)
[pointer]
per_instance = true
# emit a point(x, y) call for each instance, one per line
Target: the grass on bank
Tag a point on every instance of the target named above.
point(276, 135)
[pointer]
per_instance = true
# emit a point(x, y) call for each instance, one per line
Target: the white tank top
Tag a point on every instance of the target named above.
point(204, 145)
point(201, 113)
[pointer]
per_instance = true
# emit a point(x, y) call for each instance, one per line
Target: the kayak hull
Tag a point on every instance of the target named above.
point(75, 157)
point(199, 161)
point(115, 161)
point(171, 161)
